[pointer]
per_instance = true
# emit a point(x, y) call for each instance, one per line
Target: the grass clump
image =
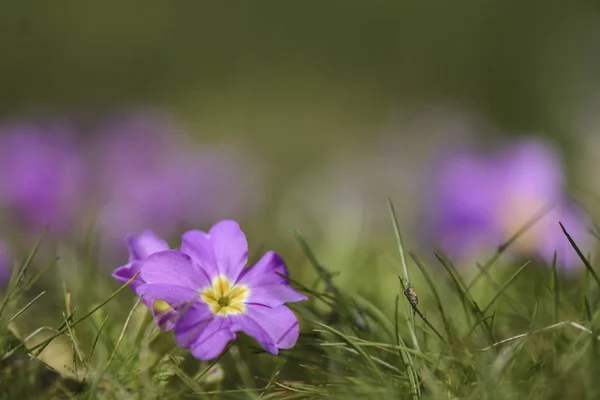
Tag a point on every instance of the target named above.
point(516, 330)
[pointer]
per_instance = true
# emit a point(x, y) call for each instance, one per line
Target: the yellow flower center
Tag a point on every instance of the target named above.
point(161, 306)
point(225, 299)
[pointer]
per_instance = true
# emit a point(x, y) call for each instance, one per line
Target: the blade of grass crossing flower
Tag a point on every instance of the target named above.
point(498, 286)
point(503, 288)
point(501, 249)
point(498, 294)
point(587, 264)
point(324, 297)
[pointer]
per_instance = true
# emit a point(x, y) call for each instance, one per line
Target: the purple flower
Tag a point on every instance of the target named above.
point(41, 174)
point(480, 200)
point(140, 248)
point(216, 297)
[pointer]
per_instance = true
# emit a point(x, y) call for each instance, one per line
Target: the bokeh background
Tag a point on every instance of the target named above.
point(284, 116)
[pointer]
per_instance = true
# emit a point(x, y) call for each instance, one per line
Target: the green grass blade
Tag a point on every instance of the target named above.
point(587, 264)
point(22, 310)
point(353, 345)
point(503, 288)
point(40, 273)
point(18, 275)
point(76, 351)
point(96, 338)
point(435, 292)
point(501, 249)
point(40, 347)
point(406, 284)
point(399, 241)
point(471, 306)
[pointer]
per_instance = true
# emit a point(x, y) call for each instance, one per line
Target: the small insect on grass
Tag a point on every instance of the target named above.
point(411, 295)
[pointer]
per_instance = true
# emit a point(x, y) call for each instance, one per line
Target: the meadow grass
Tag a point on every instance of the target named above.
point(518, 329)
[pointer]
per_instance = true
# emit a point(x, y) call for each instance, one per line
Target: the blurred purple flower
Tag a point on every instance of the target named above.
point(41, 174)
point(479, 200)
point(5, 268)
point(149, 175)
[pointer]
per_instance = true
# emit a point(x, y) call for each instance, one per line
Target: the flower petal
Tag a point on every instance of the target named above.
point(267, 270)
point(230, 248)
point(192, 323)
point(145, 244)
point(213, 341)
point(126, 272)
point(274, 295)
point(175, 296)
point(204, 333)
point(172, 267)
point(274, 328)
point(267, 286)
point(197, 245)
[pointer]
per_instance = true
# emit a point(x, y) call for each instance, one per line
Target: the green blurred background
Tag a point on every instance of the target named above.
point(319, 90)
point(299, 77)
